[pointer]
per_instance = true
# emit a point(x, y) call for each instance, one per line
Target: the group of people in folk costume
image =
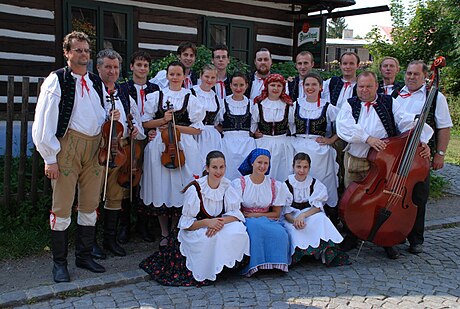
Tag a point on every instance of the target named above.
point(276, 155)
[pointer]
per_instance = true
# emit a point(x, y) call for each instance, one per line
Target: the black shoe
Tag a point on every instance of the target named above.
point(348, 243)
point(59, 247)
point(83, 248)
point(110, 233)
point(124, 227)
point(416, 249)
point(392, 252)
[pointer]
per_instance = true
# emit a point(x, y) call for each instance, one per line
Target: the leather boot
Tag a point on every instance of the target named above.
point(97, 252)
point(110, 232)
point(124, 228)
point(83, 248)
point(59, 245)
point(142, 227)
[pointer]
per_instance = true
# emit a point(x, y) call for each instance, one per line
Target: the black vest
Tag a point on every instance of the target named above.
point(67, 84)
point(316, 126)
point(128, 88)
point(293, 87)
point(236, 122)
point(396, 88)
point(180, 116)
point(303, 205)
point(273, 128)
point(335, 87)
point(384, 111)
point(228, 90)
point(210, 117)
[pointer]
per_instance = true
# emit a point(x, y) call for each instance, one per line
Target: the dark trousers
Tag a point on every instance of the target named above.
point(420, 198)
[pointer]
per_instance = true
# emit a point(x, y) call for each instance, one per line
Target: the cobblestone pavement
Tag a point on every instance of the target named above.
point(428, 280)
point(451, 172)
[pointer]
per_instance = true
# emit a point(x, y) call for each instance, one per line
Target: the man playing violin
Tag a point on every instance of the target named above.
point(108, 66)
point(70, 111)
point(363, 122)
point(412, 98)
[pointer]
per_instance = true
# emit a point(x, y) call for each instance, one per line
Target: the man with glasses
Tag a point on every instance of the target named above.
point(69, 115)
point(221, 59)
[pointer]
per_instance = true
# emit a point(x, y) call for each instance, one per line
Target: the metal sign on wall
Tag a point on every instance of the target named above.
point(310, 35)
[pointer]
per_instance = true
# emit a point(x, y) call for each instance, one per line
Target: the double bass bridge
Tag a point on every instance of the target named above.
point(395, 194)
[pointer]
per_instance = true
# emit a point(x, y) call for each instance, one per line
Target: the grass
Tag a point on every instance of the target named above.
point(453, 150)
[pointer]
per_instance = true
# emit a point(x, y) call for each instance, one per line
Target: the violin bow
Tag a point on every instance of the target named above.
point(177, 148)
point(109, 146)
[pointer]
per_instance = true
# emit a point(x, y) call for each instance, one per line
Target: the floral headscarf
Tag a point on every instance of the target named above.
point(272, 78)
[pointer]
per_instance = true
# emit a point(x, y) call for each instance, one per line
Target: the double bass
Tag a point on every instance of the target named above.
point(379, 208)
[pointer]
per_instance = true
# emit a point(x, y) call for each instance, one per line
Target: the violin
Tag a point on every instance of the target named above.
point(379, 208)
point(172, 157)
point(111, 153)
point(130, 173)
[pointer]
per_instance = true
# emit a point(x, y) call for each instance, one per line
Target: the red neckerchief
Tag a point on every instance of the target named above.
point(221, 83)
point(405, 95)
point(84, 86)
point(142, 94)
point(369, 104)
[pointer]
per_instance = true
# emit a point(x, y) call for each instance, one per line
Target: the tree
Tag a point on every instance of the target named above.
point(336, 27)
point(423, 31)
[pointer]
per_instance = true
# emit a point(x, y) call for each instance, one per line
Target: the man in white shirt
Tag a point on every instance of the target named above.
point(67, 133)
point(363, 122)
point(221, 59)
point(412, 98)
point(389, 68)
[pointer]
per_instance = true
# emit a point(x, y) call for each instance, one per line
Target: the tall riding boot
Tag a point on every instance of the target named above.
point(59, 245)
point(142, 227)
point(97, 251)
point(110, 232)
point(125, 222)
point(83, 248)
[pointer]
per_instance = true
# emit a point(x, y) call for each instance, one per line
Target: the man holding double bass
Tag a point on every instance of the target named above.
point(412, 98)
point(363, 122)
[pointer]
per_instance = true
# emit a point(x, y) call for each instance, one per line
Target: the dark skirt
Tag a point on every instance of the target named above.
point(167, 266)
point(328, 251)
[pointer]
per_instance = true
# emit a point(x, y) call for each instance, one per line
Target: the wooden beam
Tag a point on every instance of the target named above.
point(370, 10)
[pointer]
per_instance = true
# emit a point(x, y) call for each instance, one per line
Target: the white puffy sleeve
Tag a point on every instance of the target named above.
point(291, 119)
point(282, 194)
point(160, 79)
point(196, 113)
point(232, 201)
point(190, 209)
point(150, 106)
point(236, 184)
point(288, 209)
point(331, 113)
point(319, 196)
point(347, 128)
point(325, 94)
point(46, 119)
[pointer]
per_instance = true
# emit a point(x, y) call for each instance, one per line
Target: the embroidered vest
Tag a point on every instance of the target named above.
point(128, 88)
point(303, 205)
point(123, 97)
point(384, 111)
point(311, 126)
point(210, 117)
point(181, 116)
point(273, 128)
point(335, 87)
point(236, 122)
point(67, 84)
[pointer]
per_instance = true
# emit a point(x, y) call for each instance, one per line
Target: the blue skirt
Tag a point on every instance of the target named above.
point(269, 245)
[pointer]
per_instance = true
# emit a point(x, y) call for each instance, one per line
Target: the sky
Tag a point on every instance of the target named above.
point(362, 24)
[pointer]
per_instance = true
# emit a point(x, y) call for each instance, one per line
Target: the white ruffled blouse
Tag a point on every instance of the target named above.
point(213, 201)
point(302, 194)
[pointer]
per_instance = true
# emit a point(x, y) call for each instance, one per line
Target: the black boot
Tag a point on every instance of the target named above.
point(110, 232)
point(83, 248)
point(97, 252)
point(125, 222)
point(142, 227)
point(59, 245)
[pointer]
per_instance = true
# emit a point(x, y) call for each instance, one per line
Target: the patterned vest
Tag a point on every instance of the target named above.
point(236, 122)
point(273, 128)
point(335, 87)
point(67, 84)
point(384, 111)
point(311, 126)
point(303, 205)
point(181, 116)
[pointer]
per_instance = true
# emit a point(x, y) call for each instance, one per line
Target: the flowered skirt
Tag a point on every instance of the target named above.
point(168, 266)
point(328, 252)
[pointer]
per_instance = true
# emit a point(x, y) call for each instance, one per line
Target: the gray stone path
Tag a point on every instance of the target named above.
point(428, 280)
point(451, 172)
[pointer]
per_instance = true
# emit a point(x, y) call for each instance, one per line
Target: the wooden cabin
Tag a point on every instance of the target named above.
point(31, 32)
